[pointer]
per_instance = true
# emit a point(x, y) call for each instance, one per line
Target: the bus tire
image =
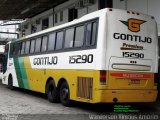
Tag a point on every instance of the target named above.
point(10, 82)
point(65, 95)
point(52, 92)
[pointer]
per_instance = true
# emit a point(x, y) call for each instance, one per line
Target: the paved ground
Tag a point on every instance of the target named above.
point(20, 101)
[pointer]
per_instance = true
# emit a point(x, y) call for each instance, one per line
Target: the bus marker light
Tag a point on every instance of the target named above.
point(155, 79)
point(102, 77)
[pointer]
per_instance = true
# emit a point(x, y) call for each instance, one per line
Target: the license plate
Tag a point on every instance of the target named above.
point(135, 81)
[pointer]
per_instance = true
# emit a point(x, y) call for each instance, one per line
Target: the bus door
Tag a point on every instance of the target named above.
point(5, 59)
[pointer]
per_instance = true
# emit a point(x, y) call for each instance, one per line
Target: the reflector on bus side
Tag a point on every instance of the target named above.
point(102, 77)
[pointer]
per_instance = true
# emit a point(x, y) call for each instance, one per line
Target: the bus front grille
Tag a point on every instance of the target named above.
point(85, 87)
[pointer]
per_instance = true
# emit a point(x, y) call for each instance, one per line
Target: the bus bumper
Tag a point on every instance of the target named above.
point(120, 96)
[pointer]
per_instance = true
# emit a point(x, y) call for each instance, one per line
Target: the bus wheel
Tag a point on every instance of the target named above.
point(51, 91)
point(65, 94)
point(10, 82)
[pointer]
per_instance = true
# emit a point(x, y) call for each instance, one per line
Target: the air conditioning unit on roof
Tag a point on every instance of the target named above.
point(79, 4)
point(88, 2)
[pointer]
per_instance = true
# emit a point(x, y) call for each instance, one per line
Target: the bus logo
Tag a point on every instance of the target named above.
point(133, 24)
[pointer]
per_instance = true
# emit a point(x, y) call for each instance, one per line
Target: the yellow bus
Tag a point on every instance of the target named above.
point(106, 56)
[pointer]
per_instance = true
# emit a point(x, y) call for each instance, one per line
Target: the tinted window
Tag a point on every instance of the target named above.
point(32, 46)
point(94, 33)
point(44, 43)
point(69, 37)
point(27, 47)
point(22, 49)
point(38, 45)
point(79, 36)
point(11, 50)
point(51, 42)
point(6, 48)
point(91, 34)
point(88, 34)
point(19, 48)
point(59, 40)
point(16, 48)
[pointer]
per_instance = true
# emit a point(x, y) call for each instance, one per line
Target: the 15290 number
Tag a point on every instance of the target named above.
point(81, 59)
point(133, 55)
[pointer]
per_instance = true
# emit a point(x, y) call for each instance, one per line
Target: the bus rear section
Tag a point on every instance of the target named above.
point(131, 58)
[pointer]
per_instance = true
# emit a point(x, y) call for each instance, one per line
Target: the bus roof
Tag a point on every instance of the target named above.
point(86, 17)
point(89, 16)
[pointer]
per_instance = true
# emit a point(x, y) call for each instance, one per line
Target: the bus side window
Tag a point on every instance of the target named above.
point(32, 46)
point(44, 43)
point(94, 33)
point(27, 47)
point(6, 49)
point(59, 40)
point(16, 48)
point(69, 37)
point(20, 47)
point(91, 34)
point(51, 42)
point(88, 34)
point(38, 45)
point(79, 36)
point(23, 47)
point(11, 50)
